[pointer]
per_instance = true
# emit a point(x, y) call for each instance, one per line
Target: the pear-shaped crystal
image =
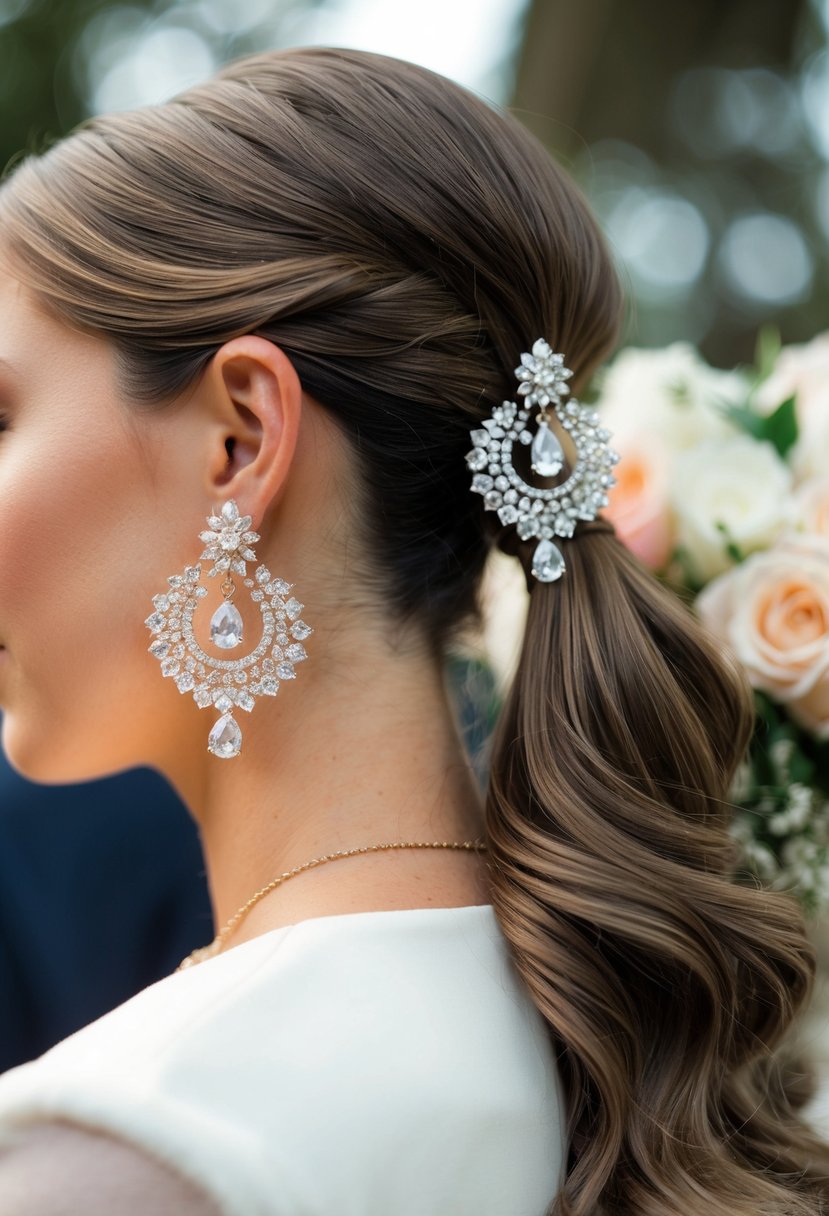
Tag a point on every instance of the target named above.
point(547, 453)
point(548, 564)
point(225, 739)
point(226, 626)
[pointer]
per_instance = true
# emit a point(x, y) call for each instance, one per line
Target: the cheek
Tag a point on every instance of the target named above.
point(79, 561)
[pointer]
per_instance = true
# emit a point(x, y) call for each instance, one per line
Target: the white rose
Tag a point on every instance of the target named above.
point(670, 393)
point(737, 481)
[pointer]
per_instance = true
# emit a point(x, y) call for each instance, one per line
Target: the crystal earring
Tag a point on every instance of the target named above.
point(225, 683)
point(538, 511)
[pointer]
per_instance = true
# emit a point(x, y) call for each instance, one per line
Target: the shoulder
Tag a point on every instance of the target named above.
point(56, 1166)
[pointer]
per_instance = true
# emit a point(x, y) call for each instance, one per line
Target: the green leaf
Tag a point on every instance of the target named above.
point(746, 419)
point(781, 427)
point(732, 548)
point(778, 428)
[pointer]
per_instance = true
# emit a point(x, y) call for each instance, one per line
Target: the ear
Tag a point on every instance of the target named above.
point(256, 400)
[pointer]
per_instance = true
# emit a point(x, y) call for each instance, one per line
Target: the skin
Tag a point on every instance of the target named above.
point(100, 505)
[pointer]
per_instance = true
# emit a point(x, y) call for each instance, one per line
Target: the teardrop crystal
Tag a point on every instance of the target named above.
point(547, 454)
point(226, 626)
point(225, 739)
point(548, 564)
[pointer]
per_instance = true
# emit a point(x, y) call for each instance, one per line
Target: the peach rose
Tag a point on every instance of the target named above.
point(638, 503)
point(772, 610)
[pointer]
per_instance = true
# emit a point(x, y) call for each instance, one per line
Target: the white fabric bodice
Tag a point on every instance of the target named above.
point(370, 1064)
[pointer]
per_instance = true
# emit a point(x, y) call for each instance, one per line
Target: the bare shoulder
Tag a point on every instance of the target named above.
point(59, 1168)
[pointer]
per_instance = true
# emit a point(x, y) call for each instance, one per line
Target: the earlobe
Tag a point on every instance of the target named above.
point(259, 398)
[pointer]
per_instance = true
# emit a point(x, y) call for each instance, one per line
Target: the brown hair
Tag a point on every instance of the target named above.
point(403, 241)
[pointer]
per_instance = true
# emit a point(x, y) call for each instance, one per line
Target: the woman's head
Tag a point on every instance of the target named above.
point(301, 285)
point(397, 239)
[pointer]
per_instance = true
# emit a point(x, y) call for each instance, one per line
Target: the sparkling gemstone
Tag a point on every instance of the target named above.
point(477, 459)
point(548, 564)
point(155, 622)
point(185, 681)
point(293, 608)
point(245, 700)
point(161, 602)
point(547, 453)
point(296, 653)
point(226, 626)
point(159, 649)
point(285, 671)
point(225, 739)
point(202, 697)
point(224, 703)
point(507, 514)
point(300, 630)
point(269, 686)
point(170, 667)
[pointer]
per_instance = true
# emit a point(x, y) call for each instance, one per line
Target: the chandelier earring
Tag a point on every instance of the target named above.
point(227, 684)
point(538, 511)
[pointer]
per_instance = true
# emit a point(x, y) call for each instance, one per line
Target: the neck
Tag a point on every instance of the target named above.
point(348, 755)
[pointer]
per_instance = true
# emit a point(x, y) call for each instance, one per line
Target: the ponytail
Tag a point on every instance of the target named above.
point(667, 987)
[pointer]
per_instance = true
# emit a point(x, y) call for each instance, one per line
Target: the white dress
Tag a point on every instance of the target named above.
point(367, 1064)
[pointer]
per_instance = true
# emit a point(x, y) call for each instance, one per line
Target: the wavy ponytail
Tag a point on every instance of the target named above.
point(667, 987)
point(403, 242)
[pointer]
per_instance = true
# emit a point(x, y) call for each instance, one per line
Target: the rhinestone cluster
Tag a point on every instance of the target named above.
point(225, 683)
point(538, 511)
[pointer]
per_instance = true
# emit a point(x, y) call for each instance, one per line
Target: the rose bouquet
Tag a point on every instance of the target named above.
point(723, 491)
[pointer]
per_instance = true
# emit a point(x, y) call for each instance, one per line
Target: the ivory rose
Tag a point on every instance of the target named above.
point(802, 371)
point(669, 394)
point(638, 504)
point(772, 611)
point(738, 481)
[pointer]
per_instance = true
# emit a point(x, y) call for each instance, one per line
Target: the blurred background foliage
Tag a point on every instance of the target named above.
point(699, 129)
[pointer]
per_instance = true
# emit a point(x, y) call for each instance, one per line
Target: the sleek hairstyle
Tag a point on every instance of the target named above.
point(404, 241)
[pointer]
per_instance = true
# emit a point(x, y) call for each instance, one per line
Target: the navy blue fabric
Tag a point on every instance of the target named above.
point(102, 892)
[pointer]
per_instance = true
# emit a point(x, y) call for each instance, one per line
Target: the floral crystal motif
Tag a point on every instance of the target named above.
point(537, 511)
point(227, 683)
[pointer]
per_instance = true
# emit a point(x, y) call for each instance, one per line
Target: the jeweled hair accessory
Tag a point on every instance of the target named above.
point(538, 511)
point(225, 683)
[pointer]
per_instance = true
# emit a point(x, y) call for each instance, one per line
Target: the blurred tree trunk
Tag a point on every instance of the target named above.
point(604, 68)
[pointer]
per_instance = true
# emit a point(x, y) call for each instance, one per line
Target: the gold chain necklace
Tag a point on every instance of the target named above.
point(205, 952)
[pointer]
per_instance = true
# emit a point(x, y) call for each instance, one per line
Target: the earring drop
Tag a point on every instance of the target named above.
point(227, 683)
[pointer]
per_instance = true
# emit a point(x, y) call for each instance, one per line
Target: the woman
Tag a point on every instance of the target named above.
point(284, 303)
